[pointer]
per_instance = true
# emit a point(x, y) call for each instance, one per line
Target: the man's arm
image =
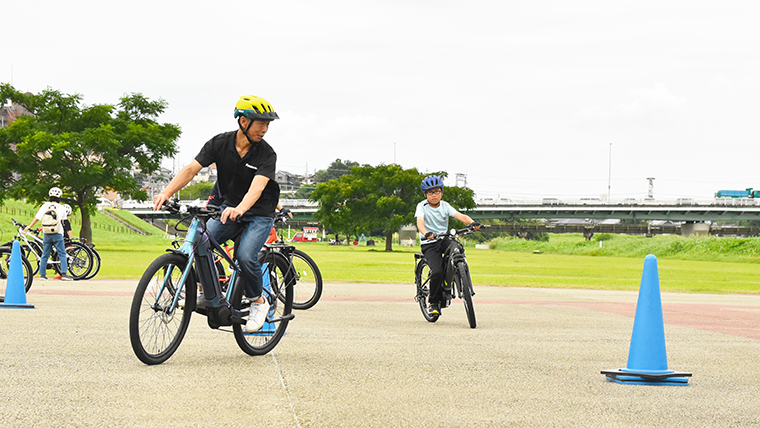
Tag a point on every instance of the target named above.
point(254, 192)
point(179, 181)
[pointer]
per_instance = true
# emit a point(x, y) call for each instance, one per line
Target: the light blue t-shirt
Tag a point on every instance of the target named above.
point(436, 219)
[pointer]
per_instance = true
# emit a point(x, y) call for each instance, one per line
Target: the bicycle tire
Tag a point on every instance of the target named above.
point(5, 262)
point(32, 252)
point(278, 270)
point(78, 260)
point(308, 287)
point(96, 261)
point(422, 281)
point(466, 292)
point(156, 331)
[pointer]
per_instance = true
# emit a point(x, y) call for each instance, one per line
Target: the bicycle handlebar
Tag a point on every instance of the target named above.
point(175, 207)
point(450, 234)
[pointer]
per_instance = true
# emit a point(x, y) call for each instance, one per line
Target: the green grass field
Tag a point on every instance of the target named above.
point(693, 265)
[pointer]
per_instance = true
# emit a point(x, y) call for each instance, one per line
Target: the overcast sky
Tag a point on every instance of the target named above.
point(529, 99)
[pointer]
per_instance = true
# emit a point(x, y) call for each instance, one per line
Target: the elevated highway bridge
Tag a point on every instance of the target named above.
point(727, 210)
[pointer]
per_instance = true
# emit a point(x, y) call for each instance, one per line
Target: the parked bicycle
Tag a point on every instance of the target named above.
point(308, 279)
point(5, 263)
point(456, 277)
point(80, 258)
point(165, 297)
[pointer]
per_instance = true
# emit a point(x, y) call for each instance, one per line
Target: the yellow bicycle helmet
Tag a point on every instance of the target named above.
point(255, 108)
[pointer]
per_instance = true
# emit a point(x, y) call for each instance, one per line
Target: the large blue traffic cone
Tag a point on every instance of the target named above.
point(15, 292)
point(647, 358)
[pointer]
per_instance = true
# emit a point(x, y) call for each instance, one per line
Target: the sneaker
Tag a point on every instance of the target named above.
point(43, 278)
point(65, 277)
point(434, 309)
point(257, 316)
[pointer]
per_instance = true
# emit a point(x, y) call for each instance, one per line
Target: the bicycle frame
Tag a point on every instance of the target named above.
point(197, 248)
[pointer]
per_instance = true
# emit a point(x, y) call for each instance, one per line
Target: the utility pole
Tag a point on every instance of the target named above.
point(651, 188)
point(609, 177)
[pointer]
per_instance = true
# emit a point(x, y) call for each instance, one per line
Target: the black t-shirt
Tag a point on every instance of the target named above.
point(235, 174)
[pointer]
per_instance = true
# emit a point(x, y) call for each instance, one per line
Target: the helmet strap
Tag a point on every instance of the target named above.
point(245, 131)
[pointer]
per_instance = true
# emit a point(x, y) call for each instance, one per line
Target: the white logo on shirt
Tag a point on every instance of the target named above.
point(251, 166)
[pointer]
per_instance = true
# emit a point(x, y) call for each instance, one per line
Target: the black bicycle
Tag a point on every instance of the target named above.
point(5, 265)
point(456, 277)
point(166, 295)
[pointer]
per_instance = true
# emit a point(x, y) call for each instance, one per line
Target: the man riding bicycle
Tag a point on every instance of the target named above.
point(246, 166)
point(433, 217)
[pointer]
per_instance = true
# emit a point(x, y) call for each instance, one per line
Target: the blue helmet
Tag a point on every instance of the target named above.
point(431, 182)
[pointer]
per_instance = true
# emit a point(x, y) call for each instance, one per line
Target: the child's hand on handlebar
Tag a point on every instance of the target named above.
point(475, 225)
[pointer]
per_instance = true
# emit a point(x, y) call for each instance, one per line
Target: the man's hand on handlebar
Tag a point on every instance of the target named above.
point(231, 213)
point(158, 201)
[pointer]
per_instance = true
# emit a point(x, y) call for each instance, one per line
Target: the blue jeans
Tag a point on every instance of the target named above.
point(255, 233)
point(48, 241)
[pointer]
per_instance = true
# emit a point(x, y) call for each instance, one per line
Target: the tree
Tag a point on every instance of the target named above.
point(336, 169)
point(84, 149)
point(377, 198)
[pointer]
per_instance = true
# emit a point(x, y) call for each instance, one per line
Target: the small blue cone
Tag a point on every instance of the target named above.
point(15, 292)
point(647, 358)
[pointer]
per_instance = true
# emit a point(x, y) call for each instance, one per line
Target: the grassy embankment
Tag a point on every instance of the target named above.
point(698, 265)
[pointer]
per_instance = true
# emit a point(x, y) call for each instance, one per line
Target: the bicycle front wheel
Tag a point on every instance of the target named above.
point(466, 292)
point(278, 290)
point(157, 321)
point(95, 262)
point(422, 280)
point(5, 264)
point(32, 252)
point(308, 287)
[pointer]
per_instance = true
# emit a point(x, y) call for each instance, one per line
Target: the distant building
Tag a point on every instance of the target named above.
point(10, 113)
point(288, 182)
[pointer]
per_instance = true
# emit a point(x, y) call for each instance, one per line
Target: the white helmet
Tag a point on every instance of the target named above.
point(67, 207)
point(56, 192)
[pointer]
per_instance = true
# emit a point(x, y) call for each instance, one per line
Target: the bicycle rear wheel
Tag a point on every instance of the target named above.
point(78, 260)
point(278, 290)
point(5, 263)
point(422, 280)
point(308, 287)
point(466, 292)
point(156, 324)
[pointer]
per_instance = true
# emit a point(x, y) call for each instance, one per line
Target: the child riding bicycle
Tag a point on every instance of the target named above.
point(432, 216)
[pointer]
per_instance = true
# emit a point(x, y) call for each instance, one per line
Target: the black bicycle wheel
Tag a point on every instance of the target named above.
point(157, 323)
point(308, 287)
point(422, 280)
point(466, 292)
point(5, 263)
point(95, 262)
point(278, 290)
point(78, 260)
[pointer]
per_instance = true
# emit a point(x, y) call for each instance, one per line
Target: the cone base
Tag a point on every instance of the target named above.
point(625, 376)
point(16, 305)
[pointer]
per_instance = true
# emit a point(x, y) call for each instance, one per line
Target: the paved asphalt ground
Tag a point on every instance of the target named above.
point(365, 357)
